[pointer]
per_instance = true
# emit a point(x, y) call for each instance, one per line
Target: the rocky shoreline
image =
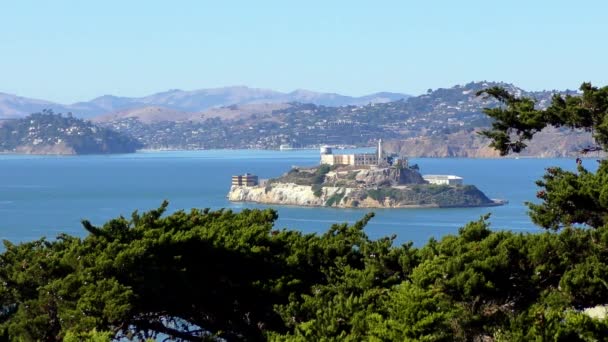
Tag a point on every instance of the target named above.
point(346, 187)
point(341, 197)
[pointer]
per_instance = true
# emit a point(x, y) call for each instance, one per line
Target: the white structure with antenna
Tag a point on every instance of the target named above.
point(355, 159)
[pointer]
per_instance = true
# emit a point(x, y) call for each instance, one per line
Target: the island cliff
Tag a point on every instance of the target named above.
point(362, 187)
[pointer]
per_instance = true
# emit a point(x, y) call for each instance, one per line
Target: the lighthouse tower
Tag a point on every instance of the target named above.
point(379, 151)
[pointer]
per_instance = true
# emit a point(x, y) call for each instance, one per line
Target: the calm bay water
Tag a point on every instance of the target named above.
point(45, 196)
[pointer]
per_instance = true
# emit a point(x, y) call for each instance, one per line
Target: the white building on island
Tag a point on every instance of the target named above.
point(443, 179)
point(247, 179)
point(355, 159)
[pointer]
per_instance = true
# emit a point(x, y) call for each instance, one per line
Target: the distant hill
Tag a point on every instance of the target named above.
point(549, 143)
point(440, 123)
point(149, 115)
point(49, 133)
point(146, 115)
point(12, 106)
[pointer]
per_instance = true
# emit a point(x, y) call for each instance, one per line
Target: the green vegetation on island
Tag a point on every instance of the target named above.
point(309, 176)
point(50, 133)
point(429, 194)
point(222, 276)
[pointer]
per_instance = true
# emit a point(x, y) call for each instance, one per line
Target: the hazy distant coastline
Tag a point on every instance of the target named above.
point(441, 123)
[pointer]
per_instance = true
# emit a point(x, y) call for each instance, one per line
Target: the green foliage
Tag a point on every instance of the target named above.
point(334, 199)
point(380, 194)
point(474, 286)
point(351, 175)
point(567, 198)
point(317, 190)
point(572, 198)
point(314, 176)
point(319, 175)
point(414, 313)
point(546, 323)
point(587, 281)
point(518, 118)
point(216, 275)
point(357, 274)
point(440, 195)
point(216, 270)
point(92, 336)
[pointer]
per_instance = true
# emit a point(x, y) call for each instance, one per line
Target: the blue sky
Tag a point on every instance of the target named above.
point(71, 51)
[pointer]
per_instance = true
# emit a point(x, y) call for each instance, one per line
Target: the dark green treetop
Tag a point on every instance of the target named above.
point(518, 119)
point(567, 197)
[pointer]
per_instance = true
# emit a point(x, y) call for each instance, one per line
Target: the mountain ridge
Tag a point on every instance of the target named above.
point(15, 106)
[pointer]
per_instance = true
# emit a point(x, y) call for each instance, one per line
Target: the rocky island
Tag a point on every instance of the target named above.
point(359, 180)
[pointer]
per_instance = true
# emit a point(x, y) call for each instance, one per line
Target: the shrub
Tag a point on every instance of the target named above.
point(334, 199)
point(317, 190)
